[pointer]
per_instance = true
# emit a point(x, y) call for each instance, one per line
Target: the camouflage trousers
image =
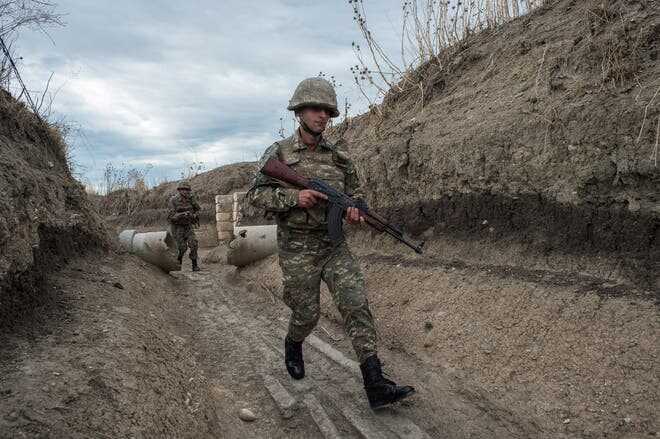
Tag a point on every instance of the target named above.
point(306, 261)
point(184, 236)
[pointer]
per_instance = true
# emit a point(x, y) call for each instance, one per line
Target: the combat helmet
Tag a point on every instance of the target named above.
point(317, 92)
point(183, 184)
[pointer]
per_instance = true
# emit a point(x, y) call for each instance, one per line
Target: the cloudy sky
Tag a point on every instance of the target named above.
point(170, 83)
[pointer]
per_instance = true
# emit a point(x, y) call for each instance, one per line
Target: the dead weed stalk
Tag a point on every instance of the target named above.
point(428, 29)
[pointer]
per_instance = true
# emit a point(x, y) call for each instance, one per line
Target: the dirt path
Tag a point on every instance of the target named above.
point(123, 350)
point(245, 327)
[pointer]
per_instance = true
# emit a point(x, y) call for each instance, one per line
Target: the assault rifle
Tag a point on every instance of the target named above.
point(188, 213)
point(338, 201)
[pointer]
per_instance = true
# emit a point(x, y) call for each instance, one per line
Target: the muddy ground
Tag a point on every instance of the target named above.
point(571, 353)
point(123, 350)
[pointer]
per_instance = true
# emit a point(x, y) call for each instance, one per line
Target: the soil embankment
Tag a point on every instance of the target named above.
point(45, 217)
point(541, 134)
point(147, 210)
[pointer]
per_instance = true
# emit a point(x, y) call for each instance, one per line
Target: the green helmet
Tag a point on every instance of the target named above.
point(183, 185)
point(317, 92)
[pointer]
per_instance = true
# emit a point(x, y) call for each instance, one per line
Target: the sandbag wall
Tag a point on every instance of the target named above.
point(224, 217)
point(227, 214)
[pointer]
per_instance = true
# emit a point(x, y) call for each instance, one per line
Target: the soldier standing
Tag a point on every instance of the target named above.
point(306, 253)
point(183, 210)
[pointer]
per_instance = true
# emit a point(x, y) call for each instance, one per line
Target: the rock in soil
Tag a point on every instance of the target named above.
point(247, 415)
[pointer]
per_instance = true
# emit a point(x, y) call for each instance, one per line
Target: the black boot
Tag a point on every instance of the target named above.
point(381, 391)
point(293, 358)
point(195, 267)
point(180, 257)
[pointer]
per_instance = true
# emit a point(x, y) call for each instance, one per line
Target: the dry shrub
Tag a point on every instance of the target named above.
point(614, 40)
point(431, 30)
point(14, 16)
point(124, 188)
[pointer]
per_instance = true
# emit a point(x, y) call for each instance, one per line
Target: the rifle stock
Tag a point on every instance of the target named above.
point(279, 171)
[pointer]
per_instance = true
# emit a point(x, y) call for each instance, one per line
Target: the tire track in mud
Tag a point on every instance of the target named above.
point(264, 338)
point(226, 351)
point(440, 409)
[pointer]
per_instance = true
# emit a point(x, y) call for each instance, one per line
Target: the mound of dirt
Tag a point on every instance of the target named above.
point(149, 205)
point(147, 210)
point(109, 361)
point(45, 217)
point(542, 133)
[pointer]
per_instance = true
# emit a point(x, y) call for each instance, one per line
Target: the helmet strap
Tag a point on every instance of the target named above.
point(308, 130)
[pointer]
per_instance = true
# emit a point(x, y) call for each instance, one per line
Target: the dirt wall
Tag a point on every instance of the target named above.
point(45, 217)
point(543, 131)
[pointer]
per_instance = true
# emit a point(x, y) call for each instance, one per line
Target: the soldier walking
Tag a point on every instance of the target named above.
point(306, 254)
point(183, 210)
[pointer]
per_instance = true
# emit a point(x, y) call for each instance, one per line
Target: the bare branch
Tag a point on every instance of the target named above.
point(429, 28)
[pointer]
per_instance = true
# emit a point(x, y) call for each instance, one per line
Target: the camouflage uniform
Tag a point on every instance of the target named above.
point(181, 225)
point(306, 253)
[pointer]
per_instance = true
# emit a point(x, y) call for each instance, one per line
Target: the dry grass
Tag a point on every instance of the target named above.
point(430, 29)
point(16, 15)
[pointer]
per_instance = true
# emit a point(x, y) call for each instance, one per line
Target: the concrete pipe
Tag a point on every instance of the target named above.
point(126, 240)
point(157, 248)
point(251, 244)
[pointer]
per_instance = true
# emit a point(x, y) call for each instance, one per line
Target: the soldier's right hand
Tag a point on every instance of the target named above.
point(308, 198)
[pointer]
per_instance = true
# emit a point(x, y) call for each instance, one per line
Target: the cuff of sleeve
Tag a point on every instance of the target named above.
point(291, 197)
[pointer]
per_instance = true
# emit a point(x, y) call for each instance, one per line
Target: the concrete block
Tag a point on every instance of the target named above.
point(238, 196)
point(223, 217)
point(224, 199)
point(224, 207)
point(225, 236)
point(225, 226)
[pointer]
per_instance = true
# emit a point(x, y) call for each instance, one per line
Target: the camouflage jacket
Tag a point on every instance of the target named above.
point(325, 162)
point(182, 211)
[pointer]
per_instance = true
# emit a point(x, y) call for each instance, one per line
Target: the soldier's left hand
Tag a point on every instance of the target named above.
point(353, 216)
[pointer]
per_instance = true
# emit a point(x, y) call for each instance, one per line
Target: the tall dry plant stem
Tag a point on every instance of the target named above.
point(16, 15)
point(655, 149)
point(428, 28)
point(646, 111)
